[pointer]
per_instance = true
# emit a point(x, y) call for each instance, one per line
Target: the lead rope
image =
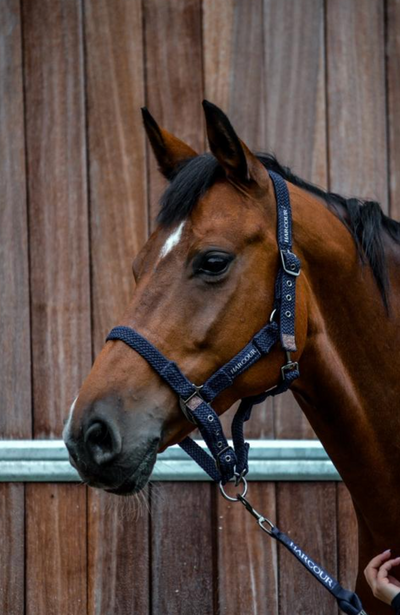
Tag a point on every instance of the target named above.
point(348, 601)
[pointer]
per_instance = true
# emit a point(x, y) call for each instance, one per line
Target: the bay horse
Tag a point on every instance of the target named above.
point(205, 285)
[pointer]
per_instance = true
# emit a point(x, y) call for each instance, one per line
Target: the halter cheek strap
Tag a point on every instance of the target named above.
point(228, 461)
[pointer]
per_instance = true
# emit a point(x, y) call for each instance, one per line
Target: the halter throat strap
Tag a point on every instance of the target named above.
point(227, 461)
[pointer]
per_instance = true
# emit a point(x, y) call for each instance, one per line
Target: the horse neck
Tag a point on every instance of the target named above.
point(349, 385)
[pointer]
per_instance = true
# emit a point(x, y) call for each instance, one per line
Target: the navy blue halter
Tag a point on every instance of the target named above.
point(226, 461)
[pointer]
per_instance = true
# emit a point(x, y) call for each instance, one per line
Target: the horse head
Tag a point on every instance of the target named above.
point(204, 286)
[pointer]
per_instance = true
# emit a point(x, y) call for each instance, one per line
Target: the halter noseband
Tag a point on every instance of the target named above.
point(226, 461)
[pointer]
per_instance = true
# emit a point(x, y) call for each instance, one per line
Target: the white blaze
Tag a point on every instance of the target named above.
point(172, 240)
point(67, 424)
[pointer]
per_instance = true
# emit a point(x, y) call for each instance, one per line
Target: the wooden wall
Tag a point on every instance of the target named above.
point(314, 81)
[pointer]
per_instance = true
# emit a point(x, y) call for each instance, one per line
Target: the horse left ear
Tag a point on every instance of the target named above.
point(240, 164)
point(168, 150)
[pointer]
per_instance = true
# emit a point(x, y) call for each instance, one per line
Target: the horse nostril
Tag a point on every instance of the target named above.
point(103, 441)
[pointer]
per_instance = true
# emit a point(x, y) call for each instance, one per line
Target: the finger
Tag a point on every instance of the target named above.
point(392, 563)
point(396, 561)
point(370, 574)
point(371, 571)
point(379, 559)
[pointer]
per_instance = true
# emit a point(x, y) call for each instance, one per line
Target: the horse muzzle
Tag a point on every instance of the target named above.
point(108, 456)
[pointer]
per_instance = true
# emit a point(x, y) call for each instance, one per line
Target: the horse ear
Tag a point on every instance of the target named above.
point(168, 150)
point(239, 162)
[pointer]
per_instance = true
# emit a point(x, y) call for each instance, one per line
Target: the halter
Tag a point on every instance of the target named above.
point(195, 400)
point(227, 461)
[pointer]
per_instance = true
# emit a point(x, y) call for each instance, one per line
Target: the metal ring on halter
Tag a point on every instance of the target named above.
point(236, 499)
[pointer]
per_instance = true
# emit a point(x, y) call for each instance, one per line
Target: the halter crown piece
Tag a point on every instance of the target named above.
point(229, 462)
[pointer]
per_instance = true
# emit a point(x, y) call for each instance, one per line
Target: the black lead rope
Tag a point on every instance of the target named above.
point(347, 600)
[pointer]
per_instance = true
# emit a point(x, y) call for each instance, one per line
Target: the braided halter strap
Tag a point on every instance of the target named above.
point(226, 461)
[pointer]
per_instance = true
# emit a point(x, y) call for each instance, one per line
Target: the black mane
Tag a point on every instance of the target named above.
point(364, 219)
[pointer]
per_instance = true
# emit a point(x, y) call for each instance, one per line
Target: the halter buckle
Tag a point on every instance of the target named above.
point(290, 366)
point(187, 407)
point(291, 269)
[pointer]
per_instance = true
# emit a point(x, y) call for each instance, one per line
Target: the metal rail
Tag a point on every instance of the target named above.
point(270, 460)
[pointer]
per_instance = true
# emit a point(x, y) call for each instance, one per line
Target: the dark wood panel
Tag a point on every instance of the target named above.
point(118, 575)
point(15, 363)
point(58, 218)
point(234, 75)
point(115, 91)
point(307, 513)
point(56, 549)
point(356, 91)
point(174, 79)
point(393, 93)
point(294, 58)
point(181, 534)
point(182, 553)
point(60, 293)
point(234, 79)
point(15, 360)
point(247, 558)
point(12, 549)
point(265, 67)
point(118, 572)
point(295, 85)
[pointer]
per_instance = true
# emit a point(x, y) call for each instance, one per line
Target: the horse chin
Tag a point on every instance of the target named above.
point(139, 477)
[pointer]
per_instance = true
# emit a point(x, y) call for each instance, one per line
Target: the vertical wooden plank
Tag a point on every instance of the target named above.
point(270, 79)
point(15, 359)
point(174, 86)
point(247, 559)
point(234, 79)
point(357, 145)
point(118, 568)
point(182, 555)
point(356, 89)
point(118, 555)
point(295, 123)
point(58, 219)
point(234, 75)
point(181, 513)
point(307, 513)
point(295, 85)
point(56, 548)
point(347, 538)
point(393, 93)
point(12, 549)
point(60, 295)
point(115, 91)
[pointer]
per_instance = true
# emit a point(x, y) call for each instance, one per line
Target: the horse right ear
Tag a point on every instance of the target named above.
point(168, 150)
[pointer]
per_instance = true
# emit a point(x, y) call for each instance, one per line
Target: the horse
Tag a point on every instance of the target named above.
point(205, 286)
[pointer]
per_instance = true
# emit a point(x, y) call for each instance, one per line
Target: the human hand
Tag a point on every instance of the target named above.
point(384, 586)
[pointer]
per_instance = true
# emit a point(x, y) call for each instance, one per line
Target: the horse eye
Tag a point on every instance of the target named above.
point(213, 263)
